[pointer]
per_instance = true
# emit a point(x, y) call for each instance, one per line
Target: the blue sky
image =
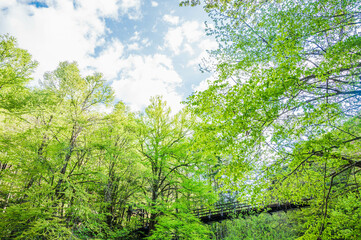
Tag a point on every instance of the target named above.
point(143, 47)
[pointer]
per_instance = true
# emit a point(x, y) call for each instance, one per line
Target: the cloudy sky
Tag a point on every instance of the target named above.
point(143, 47)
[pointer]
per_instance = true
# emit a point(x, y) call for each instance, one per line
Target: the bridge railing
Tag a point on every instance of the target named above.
point(224, 211)
point(220, 209)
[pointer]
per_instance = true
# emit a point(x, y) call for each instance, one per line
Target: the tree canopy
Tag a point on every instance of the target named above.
point(285, 105)
point(279, 124)
point(67, 170)
point(16, 67)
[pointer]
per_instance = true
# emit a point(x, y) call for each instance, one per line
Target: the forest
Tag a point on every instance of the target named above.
point(280, 124)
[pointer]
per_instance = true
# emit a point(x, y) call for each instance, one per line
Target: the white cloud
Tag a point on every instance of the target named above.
point(204, 45)
point(67, 30)
point(133, 47)
point(109, 59)
point(52, 34)
point(76, 31)
point(193, 31)
point(188, 48)
point(137, 43)
point(101, 8)
point(173, 39)
point(171, 19)
point(179, 38)
point(146, 42)
point(130, 7)
point(146, 76)
point(135, 37)
point(208, 44)
point(203, 85)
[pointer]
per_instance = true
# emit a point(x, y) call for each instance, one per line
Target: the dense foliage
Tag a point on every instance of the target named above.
point(280, 123)
point(286, 106)
point(279, 226)
point(69, 171)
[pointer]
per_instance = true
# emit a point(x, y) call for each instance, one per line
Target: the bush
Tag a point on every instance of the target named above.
point(263, 226)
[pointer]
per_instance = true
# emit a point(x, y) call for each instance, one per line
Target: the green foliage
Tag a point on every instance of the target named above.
point(285, 106)
point(188, 2)
point(16, 66)
point(172, 180)
point(49, 174)
point(282, 117)
point(181, 225)
point(342, 221)
point(26, 221)
point(263, 226)
point(68, 171)
point(345, 215)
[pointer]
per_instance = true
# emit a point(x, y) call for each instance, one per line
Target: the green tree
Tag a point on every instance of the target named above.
point(173, 185)
point(262, 226)
point(16, 67)
point(116, 142)
point(80, 96)
point(52, 184)
point(288, 83)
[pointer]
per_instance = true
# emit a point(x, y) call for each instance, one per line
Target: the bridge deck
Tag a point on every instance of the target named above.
point(225, 211)
point(229, 210)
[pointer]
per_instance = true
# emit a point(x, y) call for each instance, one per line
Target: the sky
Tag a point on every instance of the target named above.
point(142, 47)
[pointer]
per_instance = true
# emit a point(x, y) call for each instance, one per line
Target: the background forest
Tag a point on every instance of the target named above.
point(281, 123)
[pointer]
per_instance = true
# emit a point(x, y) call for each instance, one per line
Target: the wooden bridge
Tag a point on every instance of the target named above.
point(229, 210)
point(233, 209)
point(220, 212)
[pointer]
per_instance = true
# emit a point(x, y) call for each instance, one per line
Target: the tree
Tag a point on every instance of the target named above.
point(81, 95)
point(16, 67)
point(54, 176)
point(262, 226)
point(69, 171)
point(172, 171)
point(116, 142)
point(288, 85)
